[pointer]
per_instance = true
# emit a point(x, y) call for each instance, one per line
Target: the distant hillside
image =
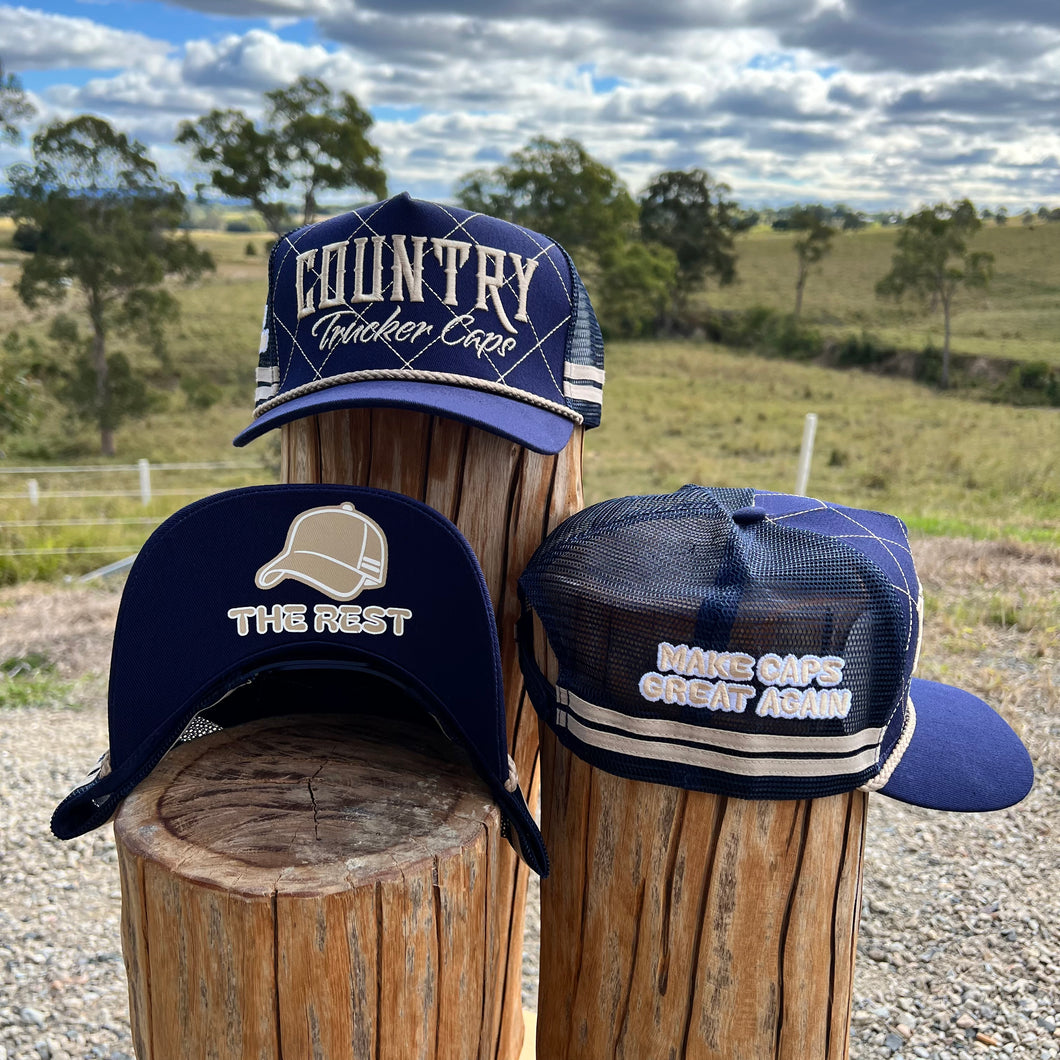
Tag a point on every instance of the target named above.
point(1017, 317)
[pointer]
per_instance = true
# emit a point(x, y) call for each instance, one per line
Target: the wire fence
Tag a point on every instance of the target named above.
point(66, 519)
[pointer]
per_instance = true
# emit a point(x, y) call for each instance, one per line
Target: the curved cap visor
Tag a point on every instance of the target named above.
point(963, 755)
point(525, 424)
point(194, 624)
point(95, 802)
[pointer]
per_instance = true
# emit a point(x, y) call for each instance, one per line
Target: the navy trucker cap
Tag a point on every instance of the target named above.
point(422, 306)
point(757, 645)
point(256, 581)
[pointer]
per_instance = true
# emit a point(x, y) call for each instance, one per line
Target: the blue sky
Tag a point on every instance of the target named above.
point(876, 103)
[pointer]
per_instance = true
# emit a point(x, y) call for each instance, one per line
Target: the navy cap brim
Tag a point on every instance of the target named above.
point(963, 755)
point(520, 422)
point(95, 802)
point(198, 622)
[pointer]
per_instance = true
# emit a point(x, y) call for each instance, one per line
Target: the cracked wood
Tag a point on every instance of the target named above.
point(287, 892)
point(505, 499)
point(679, 925)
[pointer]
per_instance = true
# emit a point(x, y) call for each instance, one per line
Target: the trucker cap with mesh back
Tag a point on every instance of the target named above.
point(422, 306)
point(245, 587)
point(756, 645)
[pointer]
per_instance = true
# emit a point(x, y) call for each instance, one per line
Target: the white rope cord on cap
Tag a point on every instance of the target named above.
point(895, 756)
point(417, 376)
point(512, 783)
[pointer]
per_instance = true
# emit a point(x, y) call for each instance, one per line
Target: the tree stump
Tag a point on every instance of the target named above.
point(312, 887)
point(680, 925)
point(505, 499)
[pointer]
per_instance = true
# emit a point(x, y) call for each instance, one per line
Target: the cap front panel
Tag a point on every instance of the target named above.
point(412, 290)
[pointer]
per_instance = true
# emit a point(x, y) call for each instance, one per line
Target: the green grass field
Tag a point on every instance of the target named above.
point(674, 412)
point(1017, 317)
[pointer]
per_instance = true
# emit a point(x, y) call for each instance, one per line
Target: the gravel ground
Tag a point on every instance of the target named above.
point(959, 951)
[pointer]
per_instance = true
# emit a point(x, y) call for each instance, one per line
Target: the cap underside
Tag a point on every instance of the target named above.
point(100, 797)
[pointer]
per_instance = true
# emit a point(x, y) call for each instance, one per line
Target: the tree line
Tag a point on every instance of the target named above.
point(96, 214)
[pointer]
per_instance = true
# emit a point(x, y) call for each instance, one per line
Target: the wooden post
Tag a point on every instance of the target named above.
point(681, 925)
point(287, 892)
point(505, 499)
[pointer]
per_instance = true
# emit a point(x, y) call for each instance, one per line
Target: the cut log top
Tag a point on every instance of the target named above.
point(312, 886)
point(306, 804)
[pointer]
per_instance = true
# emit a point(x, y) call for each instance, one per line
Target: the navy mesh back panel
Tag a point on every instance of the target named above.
point(706, 642)
point(583, 366)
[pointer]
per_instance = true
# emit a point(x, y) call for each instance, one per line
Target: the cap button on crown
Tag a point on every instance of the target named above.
point(748, 516)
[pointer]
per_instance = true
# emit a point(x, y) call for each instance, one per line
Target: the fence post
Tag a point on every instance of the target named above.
point(802, 475)
point(145, 481)
point(278, 939)
point(504, 499)
point(34, 492)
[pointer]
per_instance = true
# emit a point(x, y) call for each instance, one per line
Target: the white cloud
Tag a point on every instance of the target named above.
point(260, 60)
point(783, 99)
point(33, 39)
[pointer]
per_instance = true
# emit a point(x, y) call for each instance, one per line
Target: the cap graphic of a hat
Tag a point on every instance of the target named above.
point(755, 645)
point(211, 633)
point(338, 550)
point(418, 305)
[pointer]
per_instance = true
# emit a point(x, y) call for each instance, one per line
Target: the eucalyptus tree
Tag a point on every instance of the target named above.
point(102, 221)
point(692, 214)
point(812, 245)
point(557, 188)
point(932, 262)
point(15, 107)
point(311, 139)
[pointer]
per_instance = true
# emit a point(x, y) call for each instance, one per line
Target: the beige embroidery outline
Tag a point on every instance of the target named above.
point(335, 549)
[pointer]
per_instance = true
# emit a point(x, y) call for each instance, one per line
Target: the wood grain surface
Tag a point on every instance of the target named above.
point(312, 887)
point(505, 499)
point(681, 925)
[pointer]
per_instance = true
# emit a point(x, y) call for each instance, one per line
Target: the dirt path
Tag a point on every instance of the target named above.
point(959, 952)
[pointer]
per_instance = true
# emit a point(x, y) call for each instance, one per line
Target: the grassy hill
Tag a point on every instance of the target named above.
point(674, 412)
point(1017, 317)
point(684, 412)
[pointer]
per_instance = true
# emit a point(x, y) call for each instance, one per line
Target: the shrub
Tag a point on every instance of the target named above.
point(767, 332)
point(1032, 383)
point(788, 338)
point(860, 351)
point(26, 238)
point(199, 393)
point(928, 367)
